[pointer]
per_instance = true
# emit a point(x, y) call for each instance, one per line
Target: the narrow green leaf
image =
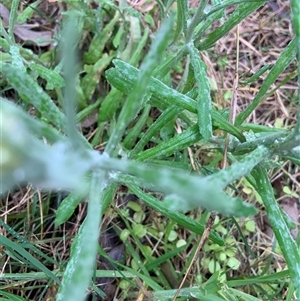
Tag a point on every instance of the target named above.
point(99, 41)
point(241, 12)
point(163, 258)
point(73, 22)
point(27, 13)
point(224, 4)
point(279, 276)
point(94, 72)
point(295, 6)
point(180, 188)
point(41, 275)
point(108, 195)
point(133, 134)
point(279, 226)
point(86, 112)
point(169, 147)
point(32, 93)
point(138, 53)
point(7, 243)
point(182, 17)
point(11, 297)
point(176, 217)
point(294, 159)
point(255, 76)
point(12, 18)
point(199, 14)
point(131, 40)
point(4, 44)
point(110, 105)
point(200, 293)
point(25, 243)
point(240, 168)
point(257, 128)
point(286, 57)
point(210, 16)
point(203, 98)
point(52, 77)
point(163, 119)
point(124, 76)
point(270, 140)
point(241, 294)
point(170, 62)
point(7, 39)
point(129, 272)
point(67, 207)
point(223, 124)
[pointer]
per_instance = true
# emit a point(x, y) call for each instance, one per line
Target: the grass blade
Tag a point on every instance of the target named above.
point(168, 115)
point(279, 226)
point(25, 243)
point(295, 5)
point(286, 57)
point(7, 243)
point(11, 297)
point(241, 12)
point(130, 139)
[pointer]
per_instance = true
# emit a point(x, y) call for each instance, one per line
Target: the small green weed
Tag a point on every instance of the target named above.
point(142, 78)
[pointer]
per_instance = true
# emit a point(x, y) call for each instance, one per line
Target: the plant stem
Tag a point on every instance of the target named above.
point(195, 20)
